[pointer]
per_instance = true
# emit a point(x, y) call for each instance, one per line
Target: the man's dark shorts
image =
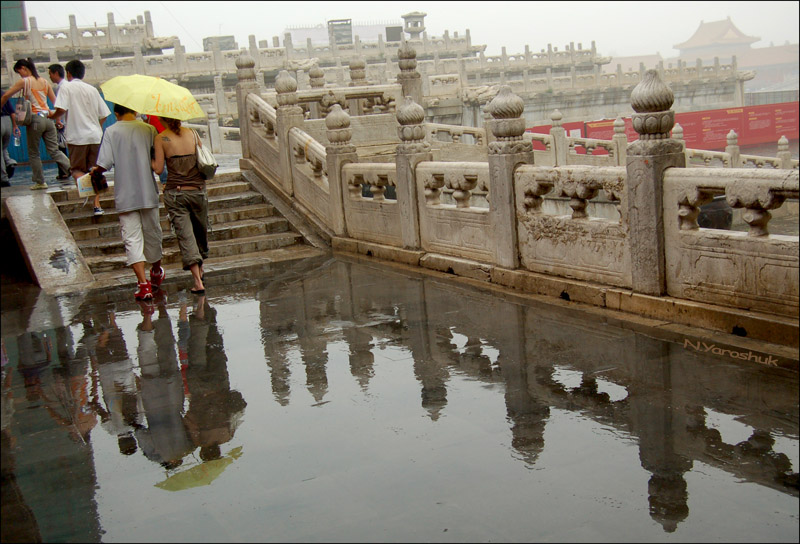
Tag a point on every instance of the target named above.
point(83, 157)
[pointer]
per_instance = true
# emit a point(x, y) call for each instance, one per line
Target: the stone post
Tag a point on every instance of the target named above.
point(358, 72)
point(647, 159)
point(113, 32)
point(409, 78)
point(784, 154)
point(247, 84)
point(254, 50)
point(74, 35)
point(180, 56)
point(507, 152)
point(53, 57)
point(148, 25)
point(412, 150)
point(219, 96)
point(138, 60)
point(216, 55)
point(36, 36)
point(339, 152)
point(288, 116)
point(559, 135)
point(214, 133)
point(287, 44)
point(733, 150)
point(98, 65)
point(620, 140)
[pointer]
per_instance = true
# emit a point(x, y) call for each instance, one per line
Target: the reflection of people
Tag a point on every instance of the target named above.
point(214, 409)
point(184, 196)
point(126, 148)
point(123, 412)
point(84, 127)
point(56, 72)
point(37, 89)
point(164, 439)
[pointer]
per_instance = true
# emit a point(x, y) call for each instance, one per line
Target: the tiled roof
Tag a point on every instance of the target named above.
point(717, 33)
point(769, 56)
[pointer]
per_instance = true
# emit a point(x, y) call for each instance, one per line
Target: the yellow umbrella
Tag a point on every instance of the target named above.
point(202, 474)
point(152, 96)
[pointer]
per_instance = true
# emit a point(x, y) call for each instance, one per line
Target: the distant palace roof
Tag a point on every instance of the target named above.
point(717, 33)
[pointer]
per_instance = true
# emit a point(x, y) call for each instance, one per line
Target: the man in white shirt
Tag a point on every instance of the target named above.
point(84, 132)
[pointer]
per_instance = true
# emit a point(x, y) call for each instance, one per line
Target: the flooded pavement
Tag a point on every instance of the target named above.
point(339, 400)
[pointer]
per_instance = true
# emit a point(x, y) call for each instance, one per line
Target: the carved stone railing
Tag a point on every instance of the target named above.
point(473, 237)
point(754, 270)
point(309, 173)
point(513, 214)
point(580, 245)
point(375, 218)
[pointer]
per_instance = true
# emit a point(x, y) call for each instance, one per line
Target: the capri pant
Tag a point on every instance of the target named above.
point(141, 234)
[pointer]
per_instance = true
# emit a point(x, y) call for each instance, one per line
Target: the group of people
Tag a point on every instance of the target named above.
point(135, 150)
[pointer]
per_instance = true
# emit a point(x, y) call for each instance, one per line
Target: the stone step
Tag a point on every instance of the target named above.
point(212, 268)
point(219, 249)
point(83, 215)
point(232, 230)
point(74, 203)
point(110, 228)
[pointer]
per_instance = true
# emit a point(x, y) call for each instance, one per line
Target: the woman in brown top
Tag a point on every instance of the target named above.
point(184, 195)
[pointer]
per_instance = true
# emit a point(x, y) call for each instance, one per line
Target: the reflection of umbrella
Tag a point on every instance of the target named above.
point(202, 474)
point(152, 96)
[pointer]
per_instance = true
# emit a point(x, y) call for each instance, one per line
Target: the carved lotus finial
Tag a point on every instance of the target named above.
point(651, 99)
point(285, 83)
point(337, 118)
point(677, 132)
point(406, 51)
point(619, 125)
point(732, 138)
point(556, 118)
point(783, 144)
point(244, 61)
point(506, 105)
point(357, 64)
point(316, 71)
point(651, 94)
point(410, 113)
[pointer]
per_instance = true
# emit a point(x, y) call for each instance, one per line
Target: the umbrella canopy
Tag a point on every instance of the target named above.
point(152, 96)
point(202, 474)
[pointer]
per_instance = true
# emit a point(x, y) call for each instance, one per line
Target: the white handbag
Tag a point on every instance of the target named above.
point(206, 162)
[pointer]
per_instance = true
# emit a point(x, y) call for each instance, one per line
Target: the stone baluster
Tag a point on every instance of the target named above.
point(577, 186)
point(214, 133)
point(339, 152)
point(507, 152)
point(412, 150)
point(409, 78)
point(53, 56)
point(287, 116)
point(113, 33)
point(647, 159)
point(74, 35)
point(246, 84)
point(733, 150)
point(757, 199)
point(689, 207)
point(620, 140)
point(559, 136)
point(784, 154)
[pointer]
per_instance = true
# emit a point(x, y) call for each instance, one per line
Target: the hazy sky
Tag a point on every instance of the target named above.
point(618, 28)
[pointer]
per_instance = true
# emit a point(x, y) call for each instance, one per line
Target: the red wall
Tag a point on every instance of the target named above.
point(709, 129)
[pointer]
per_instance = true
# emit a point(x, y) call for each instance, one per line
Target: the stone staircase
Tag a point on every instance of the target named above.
point(244, 229)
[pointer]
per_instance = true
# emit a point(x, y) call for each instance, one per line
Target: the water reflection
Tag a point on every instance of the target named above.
point(174, 400)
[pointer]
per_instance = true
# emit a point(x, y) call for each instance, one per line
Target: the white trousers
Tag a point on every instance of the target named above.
point(141, 234)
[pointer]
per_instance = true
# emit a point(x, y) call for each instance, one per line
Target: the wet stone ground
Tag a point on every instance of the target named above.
point(338, 400)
